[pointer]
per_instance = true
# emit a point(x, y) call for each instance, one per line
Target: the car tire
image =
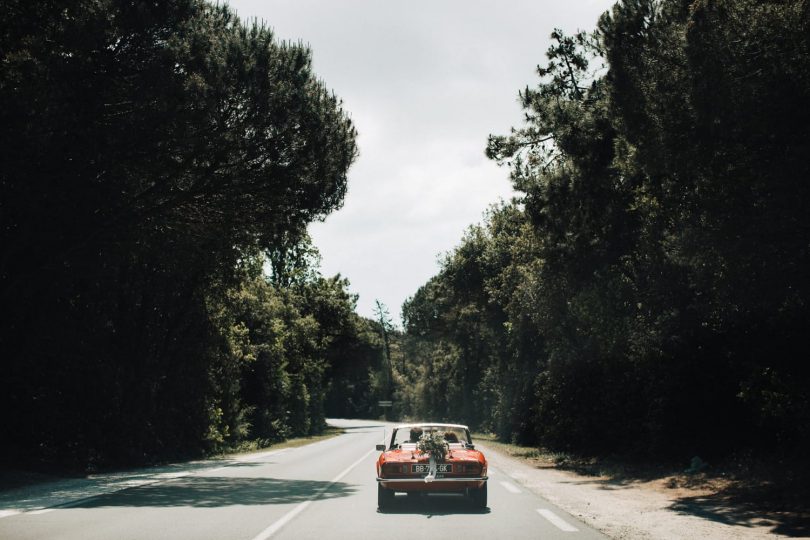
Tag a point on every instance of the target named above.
point(384, 497)
point(479, 496)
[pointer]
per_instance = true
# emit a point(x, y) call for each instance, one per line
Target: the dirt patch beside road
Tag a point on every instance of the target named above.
point(654, 505)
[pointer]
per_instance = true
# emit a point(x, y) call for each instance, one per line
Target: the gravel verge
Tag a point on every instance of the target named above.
point(641, 509)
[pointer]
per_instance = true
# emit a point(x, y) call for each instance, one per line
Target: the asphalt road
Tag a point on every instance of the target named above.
point(323, 490)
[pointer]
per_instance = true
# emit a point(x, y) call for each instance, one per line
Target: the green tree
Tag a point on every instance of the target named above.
point(648, 291)
point(146, 148)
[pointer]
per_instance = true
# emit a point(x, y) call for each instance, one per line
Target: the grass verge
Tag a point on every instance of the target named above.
point(248, 447)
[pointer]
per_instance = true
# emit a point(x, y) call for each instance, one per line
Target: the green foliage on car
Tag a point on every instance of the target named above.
point(433, 444)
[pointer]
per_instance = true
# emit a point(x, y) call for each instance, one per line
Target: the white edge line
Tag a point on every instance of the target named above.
point(171, 475)
point(39, 512)
point(556, 520)
point(286, 518)
point(155, 479)
point(254, 457)
point(167, 477)
point(70, 504)
point(245, 459)
point(516, 475)
point(510, 487)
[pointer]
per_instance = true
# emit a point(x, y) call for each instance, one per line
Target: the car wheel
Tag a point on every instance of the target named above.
point(479, 496)
point(384, 497)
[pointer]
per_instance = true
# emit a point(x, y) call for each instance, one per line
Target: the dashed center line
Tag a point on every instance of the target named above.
point(510, 487)
point(556, 520)
point(286, 518)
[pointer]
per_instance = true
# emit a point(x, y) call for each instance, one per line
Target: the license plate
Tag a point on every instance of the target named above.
point(425, 468)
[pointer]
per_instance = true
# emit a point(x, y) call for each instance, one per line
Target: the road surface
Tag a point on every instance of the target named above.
point(323, 490)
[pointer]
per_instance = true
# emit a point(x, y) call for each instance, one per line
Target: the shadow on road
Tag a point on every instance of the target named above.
point(211, 492)
point(432, 505)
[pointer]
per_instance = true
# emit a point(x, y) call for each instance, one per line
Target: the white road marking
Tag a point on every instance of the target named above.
point(556, 520)
point(517, 475)
point(286, 518)
point(171, 475)
point(62, 506)
point(254, 457)
point(39, 512)
point(510, 487)
point(149, 480)
point(245, 459)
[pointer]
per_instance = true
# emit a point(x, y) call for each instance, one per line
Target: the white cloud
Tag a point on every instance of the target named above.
point(425, 82)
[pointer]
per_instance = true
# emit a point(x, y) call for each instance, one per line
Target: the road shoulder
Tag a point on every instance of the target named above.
point(636, 510)
point(35, 493)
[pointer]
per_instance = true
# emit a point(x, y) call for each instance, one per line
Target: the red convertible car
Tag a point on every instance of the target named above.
point(402, 467)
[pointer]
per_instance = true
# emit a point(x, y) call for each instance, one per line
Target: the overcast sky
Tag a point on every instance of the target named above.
point(425, 82)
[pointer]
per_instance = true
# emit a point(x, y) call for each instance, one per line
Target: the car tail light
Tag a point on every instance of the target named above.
point(474, 468)
point(393, 468)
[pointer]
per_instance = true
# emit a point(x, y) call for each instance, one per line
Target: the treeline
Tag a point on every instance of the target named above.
point(155, 158)
point(648, 293)
point(293, 352)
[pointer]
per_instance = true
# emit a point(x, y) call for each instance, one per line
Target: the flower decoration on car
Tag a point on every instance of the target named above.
point(428, 458)
point(433, 444)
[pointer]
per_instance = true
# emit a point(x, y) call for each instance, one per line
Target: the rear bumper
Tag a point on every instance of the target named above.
point(438, 484)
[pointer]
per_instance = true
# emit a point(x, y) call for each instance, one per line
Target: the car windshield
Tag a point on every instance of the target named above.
point(410, 435)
